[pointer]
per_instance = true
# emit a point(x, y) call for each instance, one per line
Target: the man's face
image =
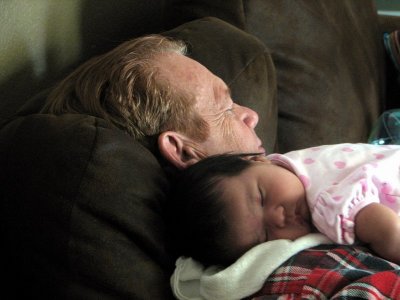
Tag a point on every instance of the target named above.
point(231, 125)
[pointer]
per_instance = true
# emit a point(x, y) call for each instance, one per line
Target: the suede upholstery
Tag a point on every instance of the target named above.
point(82, 204)
point(82, 194)
point(328, 53)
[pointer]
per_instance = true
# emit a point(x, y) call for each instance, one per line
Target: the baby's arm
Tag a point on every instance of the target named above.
point(379, 227)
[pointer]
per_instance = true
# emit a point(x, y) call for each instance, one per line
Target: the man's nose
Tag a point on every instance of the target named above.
point(249, 116)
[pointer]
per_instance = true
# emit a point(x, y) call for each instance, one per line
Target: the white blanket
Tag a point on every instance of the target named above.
point(192, 281)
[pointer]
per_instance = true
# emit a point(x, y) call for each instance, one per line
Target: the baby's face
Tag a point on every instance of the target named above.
point(265, 202)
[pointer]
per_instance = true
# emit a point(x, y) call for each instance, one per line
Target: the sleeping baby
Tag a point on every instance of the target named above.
point(226, 204)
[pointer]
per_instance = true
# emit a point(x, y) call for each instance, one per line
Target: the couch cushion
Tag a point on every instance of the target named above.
point(82, 204)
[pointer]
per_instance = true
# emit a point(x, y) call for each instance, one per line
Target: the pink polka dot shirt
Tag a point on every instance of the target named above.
point(342, 179)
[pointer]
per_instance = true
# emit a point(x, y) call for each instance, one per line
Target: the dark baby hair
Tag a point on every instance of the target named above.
point(197, 218)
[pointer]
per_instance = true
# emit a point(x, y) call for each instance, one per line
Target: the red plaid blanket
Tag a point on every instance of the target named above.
point(333, 272)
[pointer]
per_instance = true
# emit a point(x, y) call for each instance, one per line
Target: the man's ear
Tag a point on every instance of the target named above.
point(178, 149)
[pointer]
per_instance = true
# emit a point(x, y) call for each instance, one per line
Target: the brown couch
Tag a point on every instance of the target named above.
point(82, 204)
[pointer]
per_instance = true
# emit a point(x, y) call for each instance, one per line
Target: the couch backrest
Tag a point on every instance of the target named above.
point(330, 67)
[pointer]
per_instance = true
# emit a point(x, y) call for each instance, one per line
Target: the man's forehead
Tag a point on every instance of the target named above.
point(208, 90)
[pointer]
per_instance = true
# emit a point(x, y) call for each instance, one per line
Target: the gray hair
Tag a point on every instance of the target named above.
point(123, 86)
